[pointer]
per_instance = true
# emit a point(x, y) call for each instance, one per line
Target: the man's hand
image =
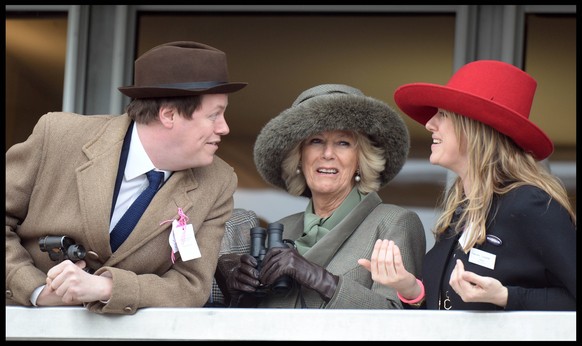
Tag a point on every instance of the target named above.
point(68, 284)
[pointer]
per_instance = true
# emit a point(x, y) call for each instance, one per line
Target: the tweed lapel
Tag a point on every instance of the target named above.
point(164, 207)
point(324, 250)
point(103, 152)
point(100, 170)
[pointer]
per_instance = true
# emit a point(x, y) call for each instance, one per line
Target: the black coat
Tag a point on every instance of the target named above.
point(536, 259)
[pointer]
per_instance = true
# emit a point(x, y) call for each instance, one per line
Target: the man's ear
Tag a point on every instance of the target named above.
point(166, 115)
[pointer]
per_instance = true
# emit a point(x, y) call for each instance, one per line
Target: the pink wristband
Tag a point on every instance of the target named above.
point(415, 300)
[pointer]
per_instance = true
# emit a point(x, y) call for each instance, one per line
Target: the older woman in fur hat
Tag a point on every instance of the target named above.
point(338, 147)
point(507, 237)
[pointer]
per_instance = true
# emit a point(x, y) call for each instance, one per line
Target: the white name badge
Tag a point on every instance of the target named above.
point(182, 239)
point(482, 258)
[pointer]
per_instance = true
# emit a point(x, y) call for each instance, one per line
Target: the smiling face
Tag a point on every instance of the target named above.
point(446, 150)
point(194, 141)
point(329, 161)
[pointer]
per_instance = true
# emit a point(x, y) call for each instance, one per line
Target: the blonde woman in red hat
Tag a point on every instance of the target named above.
point(76, 182)
point(506, 239)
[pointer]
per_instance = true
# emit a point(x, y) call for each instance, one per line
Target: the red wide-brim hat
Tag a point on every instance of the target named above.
point(495, 93)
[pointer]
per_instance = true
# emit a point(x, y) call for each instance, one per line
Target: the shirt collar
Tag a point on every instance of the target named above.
point(138, 161)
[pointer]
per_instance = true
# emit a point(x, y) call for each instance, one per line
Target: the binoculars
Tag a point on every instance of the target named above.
point(61, 248)
point(274, 237)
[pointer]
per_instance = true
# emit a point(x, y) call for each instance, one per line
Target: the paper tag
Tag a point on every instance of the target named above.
point(182, 239)
point(482, 258)
point(172, 238)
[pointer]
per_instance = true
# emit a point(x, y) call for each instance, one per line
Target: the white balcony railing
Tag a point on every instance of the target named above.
point(76, 323)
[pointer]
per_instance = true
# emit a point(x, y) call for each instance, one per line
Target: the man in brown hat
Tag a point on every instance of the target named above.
point(79, 230)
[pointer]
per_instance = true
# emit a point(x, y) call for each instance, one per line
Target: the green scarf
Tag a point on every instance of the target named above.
point(315, 227)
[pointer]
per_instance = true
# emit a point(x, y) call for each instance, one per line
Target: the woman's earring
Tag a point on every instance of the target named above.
point(298, 171)
point(357, 178)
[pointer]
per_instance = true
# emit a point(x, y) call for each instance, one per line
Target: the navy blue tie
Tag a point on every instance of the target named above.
point(128, 221)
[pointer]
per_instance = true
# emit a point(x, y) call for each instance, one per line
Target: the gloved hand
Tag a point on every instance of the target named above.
point(236, 275)
point(287, 261)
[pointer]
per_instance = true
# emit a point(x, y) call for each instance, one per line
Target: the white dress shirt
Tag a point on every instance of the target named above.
point(134, 179)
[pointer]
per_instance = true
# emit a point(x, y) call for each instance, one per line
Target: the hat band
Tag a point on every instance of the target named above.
point(195, 85)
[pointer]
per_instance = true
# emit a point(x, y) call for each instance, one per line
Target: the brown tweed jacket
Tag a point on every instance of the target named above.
point(60, 181)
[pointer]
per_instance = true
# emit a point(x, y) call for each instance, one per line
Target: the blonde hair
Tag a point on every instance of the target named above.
point(496, 165)
point(371, 163)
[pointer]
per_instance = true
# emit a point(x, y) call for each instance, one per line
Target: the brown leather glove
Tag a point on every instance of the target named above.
point(238, 279)
point(279, 262)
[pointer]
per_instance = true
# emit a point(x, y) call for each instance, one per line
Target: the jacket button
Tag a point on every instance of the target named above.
point(9, 293)
point(127, 309)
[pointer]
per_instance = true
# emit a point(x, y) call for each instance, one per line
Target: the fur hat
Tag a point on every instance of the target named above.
point(330, 107)
point(181, 68)
point(493, 92)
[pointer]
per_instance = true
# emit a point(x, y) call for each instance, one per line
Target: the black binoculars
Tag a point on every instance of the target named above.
point(274, 236)
point(61, 248)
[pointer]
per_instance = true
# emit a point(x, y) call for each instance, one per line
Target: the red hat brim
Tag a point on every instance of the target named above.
point(421, 100)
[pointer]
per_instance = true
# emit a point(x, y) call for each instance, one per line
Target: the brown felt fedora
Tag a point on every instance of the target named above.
point(181, 68)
